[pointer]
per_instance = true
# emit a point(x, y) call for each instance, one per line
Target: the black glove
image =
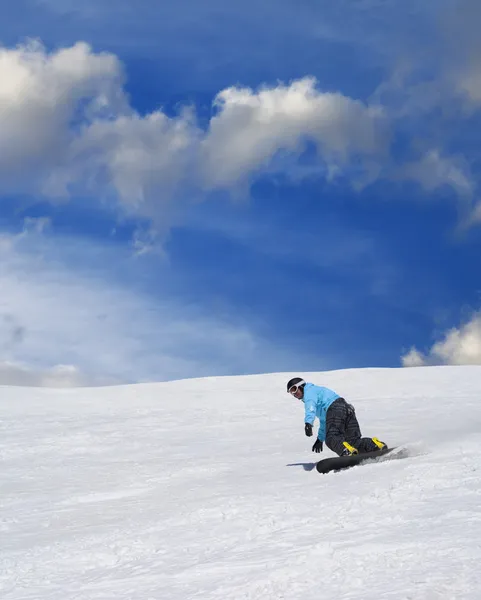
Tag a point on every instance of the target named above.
point(308, 429)
point(317, 446)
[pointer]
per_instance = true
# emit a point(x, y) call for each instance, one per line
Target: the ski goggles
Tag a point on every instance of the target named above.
point(293, 389)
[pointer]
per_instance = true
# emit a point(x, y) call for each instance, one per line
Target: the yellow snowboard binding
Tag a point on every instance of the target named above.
point(349, 450)
point(379, 444)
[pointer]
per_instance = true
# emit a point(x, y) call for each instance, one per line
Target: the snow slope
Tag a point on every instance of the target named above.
point(183, 490)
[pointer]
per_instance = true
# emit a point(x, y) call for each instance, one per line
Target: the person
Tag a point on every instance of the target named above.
point(338, 425)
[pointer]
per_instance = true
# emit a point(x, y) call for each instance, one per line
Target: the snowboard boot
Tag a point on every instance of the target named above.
point(371, 445)
point(348, 449)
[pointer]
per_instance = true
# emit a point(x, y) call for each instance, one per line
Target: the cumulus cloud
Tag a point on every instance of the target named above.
point(66, 127)
point(43, 98)
point(251, 127)
point(459, 346)
point(143, 160)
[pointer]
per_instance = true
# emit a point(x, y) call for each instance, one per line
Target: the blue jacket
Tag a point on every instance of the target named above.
point(317, 400)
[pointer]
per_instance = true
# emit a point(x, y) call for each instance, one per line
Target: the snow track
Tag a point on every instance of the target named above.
point(182, 490)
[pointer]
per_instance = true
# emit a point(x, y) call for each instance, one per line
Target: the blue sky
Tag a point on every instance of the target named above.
point(197, 189)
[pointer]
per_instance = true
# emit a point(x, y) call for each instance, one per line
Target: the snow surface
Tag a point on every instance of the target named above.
point(196, 489)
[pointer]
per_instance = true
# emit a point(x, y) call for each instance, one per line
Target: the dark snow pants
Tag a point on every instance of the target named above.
point(342, 426)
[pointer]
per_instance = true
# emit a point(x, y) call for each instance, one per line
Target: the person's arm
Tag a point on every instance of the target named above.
point(309, 414)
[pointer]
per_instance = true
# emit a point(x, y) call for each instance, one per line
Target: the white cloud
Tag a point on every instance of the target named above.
point(460, 346)
point(426, 77)
point(65, 320)
point(41, 98)
point(434, 170)
point(58, 376)
point(251, 127)
point(142, 159)
point(461, 62)
point(66, 127)
point(413, 358)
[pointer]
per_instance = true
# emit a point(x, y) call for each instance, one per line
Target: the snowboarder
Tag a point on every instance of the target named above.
point(338, 425)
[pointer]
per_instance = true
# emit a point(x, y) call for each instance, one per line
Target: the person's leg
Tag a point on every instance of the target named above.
point(354, 436)
point(336, 420)
point(353, 431)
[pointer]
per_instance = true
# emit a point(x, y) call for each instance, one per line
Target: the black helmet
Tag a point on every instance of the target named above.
point(295, 381)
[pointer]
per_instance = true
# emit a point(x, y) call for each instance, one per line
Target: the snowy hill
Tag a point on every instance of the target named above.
point(182, 490)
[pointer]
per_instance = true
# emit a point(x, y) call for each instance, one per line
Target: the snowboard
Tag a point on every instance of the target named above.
point(338, 463)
